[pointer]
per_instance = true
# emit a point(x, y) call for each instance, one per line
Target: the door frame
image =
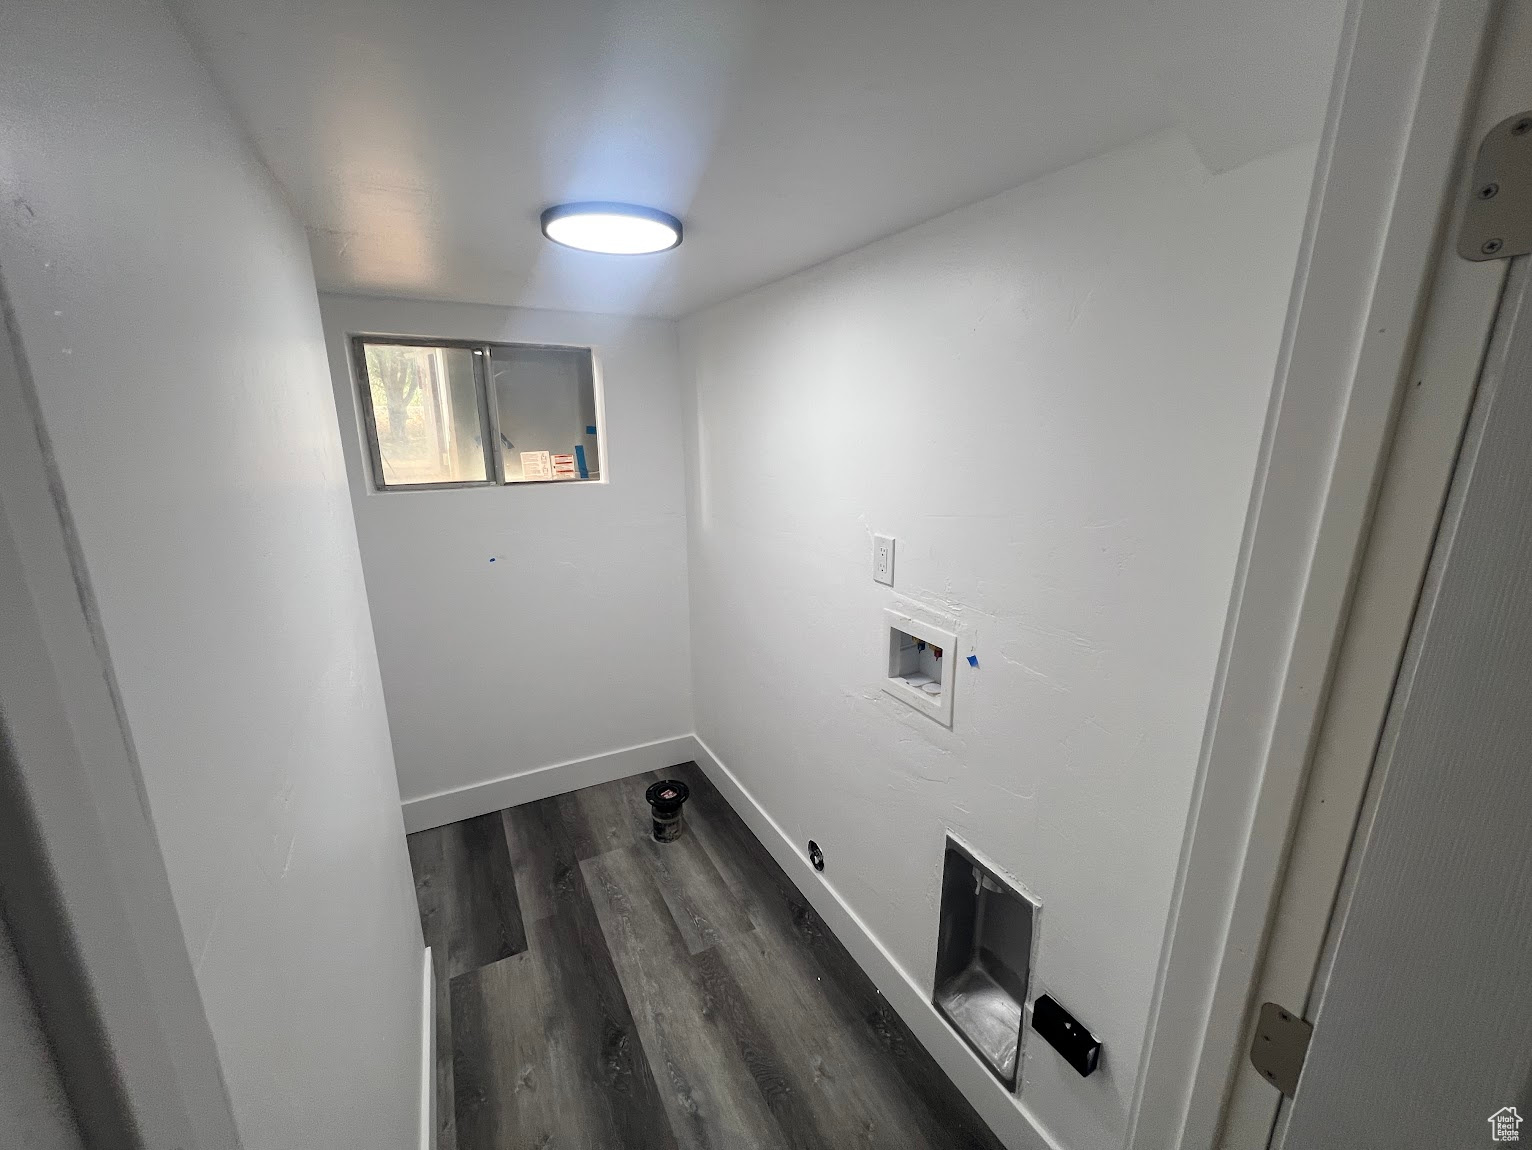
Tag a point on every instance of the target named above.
point(82, 880)
point(1421, 841)
point(1434, 413)
point(1386, 180)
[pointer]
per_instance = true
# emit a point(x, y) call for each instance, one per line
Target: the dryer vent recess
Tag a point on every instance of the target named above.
point(985, 939)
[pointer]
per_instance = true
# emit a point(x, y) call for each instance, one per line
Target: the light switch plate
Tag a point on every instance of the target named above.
point(883, 560)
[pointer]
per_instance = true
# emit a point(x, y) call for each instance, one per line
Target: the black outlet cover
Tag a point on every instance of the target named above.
point(1064, 1032)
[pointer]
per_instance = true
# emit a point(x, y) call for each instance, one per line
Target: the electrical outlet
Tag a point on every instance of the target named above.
point(883, 560)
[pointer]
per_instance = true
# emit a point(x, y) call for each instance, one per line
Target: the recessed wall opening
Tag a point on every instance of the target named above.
point(920, 665)
point(917, 662)
point(984, 947)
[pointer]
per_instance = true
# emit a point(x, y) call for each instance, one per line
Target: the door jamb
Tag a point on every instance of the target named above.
point(1434, 413)
point(1404, 87)
point(85, 888)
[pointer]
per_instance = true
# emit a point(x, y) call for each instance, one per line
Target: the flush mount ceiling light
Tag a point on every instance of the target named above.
point(613, 229)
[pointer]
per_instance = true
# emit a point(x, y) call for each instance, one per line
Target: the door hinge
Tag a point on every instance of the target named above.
point(1497, 222)
point(1280, 1045)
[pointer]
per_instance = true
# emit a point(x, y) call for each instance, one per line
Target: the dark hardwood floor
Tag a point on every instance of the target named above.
point(597, 990)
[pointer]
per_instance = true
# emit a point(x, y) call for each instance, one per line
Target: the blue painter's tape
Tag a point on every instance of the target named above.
point(580, 462)
point(973, 660)
point(591, 430)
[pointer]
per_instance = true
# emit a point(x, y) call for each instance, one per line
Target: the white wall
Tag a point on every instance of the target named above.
point(163, 300)
point(1053, 399)
point(33, 1110)
point(574, 642)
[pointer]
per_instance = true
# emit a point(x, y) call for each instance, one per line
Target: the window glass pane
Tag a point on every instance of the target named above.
point(546, 400)
point(425, 406)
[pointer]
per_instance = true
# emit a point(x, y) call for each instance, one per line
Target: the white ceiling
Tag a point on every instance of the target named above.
point(420, 139)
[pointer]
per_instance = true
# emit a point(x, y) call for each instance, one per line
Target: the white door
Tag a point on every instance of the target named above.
point(1423, 1033)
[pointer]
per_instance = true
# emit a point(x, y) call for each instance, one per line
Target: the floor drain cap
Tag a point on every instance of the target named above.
point(667, 796)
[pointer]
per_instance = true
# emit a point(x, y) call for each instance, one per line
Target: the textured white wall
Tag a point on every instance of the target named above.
point(164, 300)
point(1053, 399)
point(574, 642)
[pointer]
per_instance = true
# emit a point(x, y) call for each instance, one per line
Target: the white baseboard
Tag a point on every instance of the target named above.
point(428, 1055)
point(1005, 1113)
point(543, 782)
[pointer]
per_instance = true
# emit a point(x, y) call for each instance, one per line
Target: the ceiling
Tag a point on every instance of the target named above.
point(420, 139)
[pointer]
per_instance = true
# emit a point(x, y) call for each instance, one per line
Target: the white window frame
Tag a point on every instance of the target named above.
point(489, 411)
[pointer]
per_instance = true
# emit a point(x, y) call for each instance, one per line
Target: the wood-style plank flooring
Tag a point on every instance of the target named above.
point(597, 990)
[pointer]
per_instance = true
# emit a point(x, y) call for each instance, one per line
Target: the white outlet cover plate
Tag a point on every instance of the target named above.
point(883, 560)
point(938, 707)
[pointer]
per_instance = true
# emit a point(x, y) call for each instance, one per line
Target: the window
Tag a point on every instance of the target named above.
point(445, 414)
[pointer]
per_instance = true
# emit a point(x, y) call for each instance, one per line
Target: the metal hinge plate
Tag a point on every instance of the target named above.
point(1281, 1044)
point(1497, 222)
